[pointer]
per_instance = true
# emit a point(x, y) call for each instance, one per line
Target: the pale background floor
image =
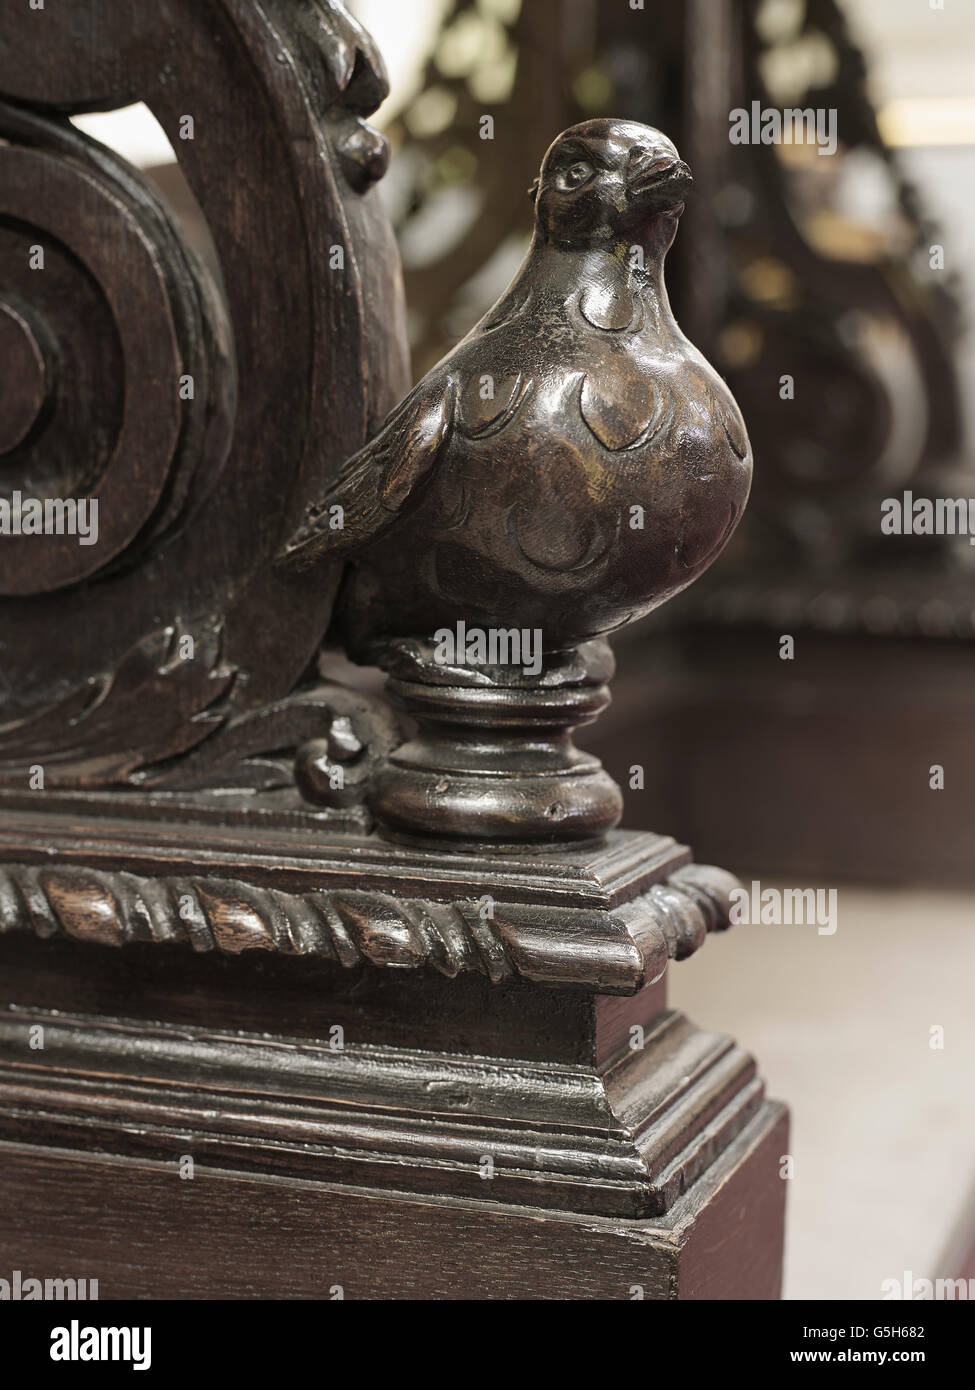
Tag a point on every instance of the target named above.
point(883, 1126)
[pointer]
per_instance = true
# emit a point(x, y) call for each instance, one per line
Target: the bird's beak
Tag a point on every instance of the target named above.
point(659, 185)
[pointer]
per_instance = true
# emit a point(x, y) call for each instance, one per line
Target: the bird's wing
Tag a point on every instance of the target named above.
point(376, 483)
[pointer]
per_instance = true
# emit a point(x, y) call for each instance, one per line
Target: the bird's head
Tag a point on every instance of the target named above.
point(606, 181)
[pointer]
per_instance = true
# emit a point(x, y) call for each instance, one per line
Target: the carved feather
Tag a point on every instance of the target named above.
point(375, 484)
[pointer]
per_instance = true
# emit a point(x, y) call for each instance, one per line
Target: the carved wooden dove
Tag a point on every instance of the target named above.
point(574, 461)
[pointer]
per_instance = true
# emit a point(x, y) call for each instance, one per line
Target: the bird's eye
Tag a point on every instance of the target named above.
point(576, 175)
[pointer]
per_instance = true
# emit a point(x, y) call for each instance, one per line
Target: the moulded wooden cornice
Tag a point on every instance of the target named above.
point(608, 919)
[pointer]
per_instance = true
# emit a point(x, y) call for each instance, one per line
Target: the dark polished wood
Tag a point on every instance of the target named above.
point(770, 275)
point(620, 1133)
point(396, 989)
point(294, 345)
point(478, 1099)
point(144, 1233)
point(571, 465)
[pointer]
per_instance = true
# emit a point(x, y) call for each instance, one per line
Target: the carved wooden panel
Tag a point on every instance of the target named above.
point(224, 954)
point(202, 412)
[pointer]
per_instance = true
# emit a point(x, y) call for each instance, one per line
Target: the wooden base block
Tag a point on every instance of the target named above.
point(399, 1110)
point(143, 1232)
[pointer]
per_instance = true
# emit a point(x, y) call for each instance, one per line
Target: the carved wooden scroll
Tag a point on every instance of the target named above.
point(200, 412)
